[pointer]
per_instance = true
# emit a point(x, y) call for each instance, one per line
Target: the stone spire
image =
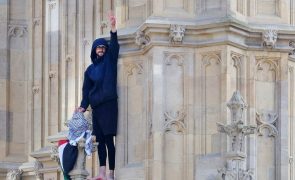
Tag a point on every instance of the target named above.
point(235, 168)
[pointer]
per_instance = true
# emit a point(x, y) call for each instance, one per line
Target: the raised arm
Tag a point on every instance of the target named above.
point(114, 45)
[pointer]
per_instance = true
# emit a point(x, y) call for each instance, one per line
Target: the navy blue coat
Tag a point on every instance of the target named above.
point(100, 85)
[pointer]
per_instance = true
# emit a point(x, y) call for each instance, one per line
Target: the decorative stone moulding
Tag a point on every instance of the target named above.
point(174, 122)
point(37, 166)
point(176, 33)
point(15, 30)
point(130, 67)
point(292, 45)
point(236, 156)
point(54, 154)
point(267, 120)
point(36, 89)
point(14, 174)
point(36, 21)
point(52, 74)
point(141, 39)
point(52, 4)
point(69, 58)
point(269, 38)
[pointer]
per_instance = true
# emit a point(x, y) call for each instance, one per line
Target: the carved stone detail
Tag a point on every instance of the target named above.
point(52, 74)
point(169, 57)
point(14, 174)
point(176, 33)
point(54, 154)
point(52, 4)
point(16, 30)
point(79, 171)
point(237, 106)
point(267, 120)
point(36, 89)
point(291, 69)
point(273, 64)
point(69, 58)
point(131, 66)
point(174, 122)
point(211, 55)
point(236, 157)
point(237, 64)
point(37, 166)
point(141, 39)
point(36, 21)
point(236, 59)
point(292, 45)
point(269, 38)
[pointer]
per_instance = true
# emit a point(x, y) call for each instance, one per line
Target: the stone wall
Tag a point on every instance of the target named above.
point(180, 62)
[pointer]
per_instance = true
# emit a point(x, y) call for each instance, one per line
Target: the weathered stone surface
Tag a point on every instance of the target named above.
point(180, 62)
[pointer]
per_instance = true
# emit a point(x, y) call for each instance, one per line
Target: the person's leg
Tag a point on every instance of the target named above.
point(102, 156)
point(101, 149)
point(109, 141)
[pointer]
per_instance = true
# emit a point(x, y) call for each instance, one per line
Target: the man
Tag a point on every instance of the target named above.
point(100, 91)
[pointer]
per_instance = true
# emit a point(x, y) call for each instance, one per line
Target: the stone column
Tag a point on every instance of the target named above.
point(79, 172)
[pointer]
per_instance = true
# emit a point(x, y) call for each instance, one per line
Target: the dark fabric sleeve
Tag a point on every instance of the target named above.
point(114, 46)
point(87, 84)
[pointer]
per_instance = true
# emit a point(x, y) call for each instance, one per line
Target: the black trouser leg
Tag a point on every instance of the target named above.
point(102, 153)
point(109, 140)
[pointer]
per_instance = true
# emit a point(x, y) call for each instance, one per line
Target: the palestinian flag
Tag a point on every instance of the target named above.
point(67, 156)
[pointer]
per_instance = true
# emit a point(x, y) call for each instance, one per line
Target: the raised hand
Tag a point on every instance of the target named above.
point(112, 20)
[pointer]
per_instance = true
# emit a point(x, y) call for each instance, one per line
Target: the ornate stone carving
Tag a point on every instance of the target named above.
point(237, 64)
point(131, 66)
point(176, 33)
point(237, 106)
point(69, 58)
point(36, 21)
point(269, 38)
point(267, 120)
point(268, 64)
point(292, 45)
point(14, 174)
point(79, 171)
point(236, 59)
point(174, 122)
point(141, 39)
point(37, 166)
point(52, 4)
point(170, 56)
point(54, 154)
point(36, 89)
point(16, 30)
point(207, 58)
point(52, 74)
point(235, 165)
point(225, 174)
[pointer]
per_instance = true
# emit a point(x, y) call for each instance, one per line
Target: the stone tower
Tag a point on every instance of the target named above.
point(180, 62)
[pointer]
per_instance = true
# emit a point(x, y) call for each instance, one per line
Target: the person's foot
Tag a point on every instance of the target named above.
point(97, 178)
point(102, 174)
point(111, 175)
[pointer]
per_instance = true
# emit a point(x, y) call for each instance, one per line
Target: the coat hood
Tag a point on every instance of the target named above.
point(97, 42)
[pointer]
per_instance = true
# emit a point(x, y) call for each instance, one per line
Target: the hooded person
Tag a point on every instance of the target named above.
point(100, 92)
